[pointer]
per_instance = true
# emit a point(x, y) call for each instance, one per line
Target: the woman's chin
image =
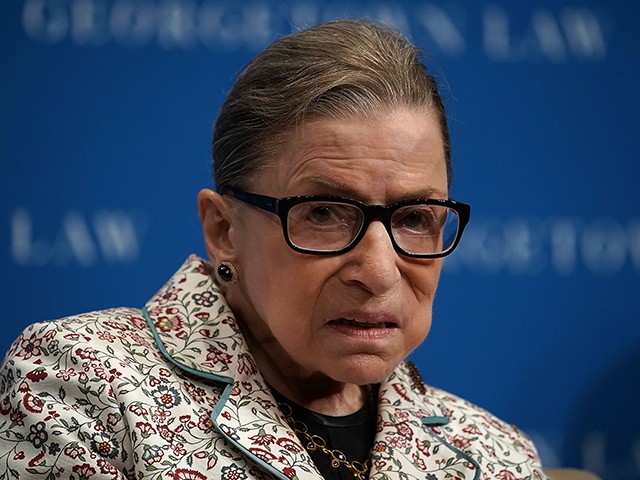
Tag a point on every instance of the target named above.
point(363, 370)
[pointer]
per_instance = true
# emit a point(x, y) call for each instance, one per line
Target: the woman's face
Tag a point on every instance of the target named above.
point(350, 318)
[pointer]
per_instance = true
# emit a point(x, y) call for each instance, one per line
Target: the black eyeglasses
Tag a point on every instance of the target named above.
point(325, 224)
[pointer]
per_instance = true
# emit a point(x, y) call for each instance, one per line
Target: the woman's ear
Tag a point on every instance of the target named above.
point(216, 215)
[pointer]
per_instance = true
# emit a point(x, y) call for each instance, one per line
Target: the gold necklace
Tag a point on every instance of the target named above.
point(316, 442)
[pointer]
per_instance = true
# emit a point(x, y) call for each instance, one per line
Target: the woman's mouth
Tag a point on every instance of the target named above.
point(364, 329)
point(362, 324)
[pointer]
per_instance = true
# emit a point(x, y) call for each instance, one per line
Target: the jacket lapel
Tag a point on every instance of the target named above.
point(193, 325)
point(249, 417)
point(407, 443)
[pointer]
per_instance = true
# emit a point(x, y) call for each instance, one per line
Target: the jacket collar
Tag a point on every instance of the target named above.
point(194, 327)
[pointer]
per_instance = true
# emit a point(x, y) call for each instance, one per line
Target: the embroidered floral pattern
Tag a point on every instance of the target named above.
point(93, 397)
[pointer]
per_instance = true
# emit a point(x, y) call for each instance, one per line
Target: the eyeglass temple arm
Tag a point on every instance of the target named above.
point(264, 202)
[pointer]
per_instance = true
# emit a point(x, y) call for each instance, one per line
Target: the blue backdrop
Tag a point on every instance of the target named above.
point(106, 113)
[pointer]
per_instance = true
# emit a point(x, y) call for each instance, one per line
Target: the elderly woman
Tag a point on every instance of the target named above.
point(283, 357)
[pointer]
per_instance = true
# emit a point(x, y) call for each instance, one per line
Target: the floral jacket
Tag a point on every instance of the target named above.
point(171, 392)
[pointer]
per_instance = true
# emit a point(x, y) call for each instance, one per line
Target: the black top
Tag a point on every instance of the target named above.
point(352, 434)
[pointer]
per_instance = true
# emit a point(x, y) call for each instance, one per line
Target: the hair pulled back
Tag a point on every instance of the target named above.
point(335, 70)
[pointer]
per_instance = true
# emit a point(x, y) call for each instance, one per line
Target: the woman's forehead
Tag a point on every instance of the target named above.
point(402, 149)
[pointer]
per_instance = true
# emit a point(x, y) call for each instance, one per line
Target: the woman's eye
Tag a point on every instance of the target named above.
point(321, 214)
point(414, 220)
point(327, 214)
point(419, 220)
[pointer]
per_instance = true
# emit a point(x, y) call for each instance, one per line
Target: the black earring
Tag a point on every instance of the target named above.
point(227, 273)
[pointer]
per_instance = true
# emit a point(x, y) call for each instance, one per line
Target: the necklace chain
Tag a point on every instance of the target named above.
point(317, 443)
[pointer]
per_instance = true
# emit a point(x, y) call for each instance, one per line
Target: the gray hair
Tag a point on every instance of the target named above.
point(334, 70)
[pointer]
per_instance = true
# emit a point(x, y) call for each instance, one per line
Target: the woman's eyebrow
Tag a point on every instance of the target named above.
point(334, 187)
point(329, 185)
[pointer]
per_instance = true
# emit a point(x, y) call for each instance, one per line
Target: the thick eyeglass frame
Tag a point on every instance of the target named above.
point(383, 213)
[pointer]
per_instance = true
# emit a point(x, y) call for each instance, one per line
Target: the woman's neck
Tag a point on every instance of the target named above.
point(322, 395)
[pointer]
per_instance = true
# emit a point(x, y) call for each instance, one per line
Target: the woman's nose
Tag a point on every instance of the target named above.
point(373, 263)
